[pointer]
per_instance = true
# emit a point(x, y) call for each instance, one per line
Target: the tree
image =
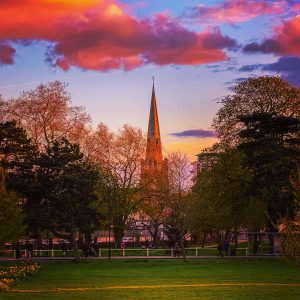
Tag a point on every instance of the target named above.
point(264, 94)
point(221, 197)
point(154, 207)
point(46, 114)
point(271, 145)
point(290, 229)
point(16, 150)
point(119, 156)
point(68, 183)
point(11, 216)
point(177, 220)
point(18, 157)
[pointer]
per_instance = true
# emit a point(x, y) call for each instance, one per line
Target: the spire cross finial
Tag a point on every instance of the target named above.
point(153, 79)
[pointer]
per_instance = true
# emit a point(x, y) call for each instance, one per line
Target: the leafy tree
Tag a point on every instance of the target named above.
point(221, 196)
point(68, 182)
point(271, 146)
point(18, 157)
point(266, 94)
point(11, 216)
point(290, 229)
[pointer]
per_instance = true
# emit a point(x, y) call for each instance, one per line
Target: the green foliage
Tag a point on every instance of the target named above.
point(262, 119)
point(265, 94)
point(290, 229)
point(11, 217)
point(68, 182)
point(177, 221)
point(17, 156)
point(15, 148)
point(221, 195)
point(271, 146)
point(63, 193)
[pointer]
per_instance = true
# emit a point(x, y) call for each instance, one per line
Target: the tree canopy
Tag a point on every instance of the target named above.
point(266, 94)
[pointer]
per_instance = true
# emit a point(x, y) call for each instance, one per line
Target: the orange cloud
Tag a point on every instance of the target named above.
point(236, 11)
point(101, 35)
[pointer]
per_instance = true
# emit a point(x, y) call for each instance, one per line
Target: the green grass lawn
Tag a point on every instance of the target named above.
point(161, 279)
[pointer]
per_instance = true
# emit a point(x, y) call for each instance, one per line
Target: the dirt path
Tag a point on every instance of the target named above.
point(118, 287)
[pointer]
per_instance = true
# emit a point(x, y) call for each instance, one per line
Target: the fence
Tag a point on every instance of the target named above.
point(137, 252)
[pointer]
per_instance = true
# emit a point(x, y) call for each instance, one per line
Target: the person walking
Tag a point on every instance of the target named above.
point(17, 250)
point(220, 249)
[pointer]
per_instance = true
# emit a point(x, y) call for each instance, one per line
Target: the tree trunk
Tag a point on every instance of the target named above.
point(118, 234)
point(182, 247)
point(271, 228)
point(271, 243)
point(154, 235)
point(235, 237)
point(203, 239)
point(74, 244)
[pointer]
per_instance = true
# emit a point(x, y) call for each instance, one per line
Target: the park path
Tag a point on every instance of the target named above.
point(159, 286)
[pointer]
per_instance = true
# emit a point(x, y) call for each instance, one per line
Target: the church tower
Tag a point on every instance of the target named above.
point(154, 162)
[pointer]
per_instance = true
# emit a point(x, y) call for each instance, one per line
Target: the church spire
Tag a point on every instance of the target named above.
point(154, 148)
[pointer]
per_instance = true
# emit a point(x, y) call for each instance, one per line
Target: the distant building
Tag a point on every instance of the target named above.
point(205, 161)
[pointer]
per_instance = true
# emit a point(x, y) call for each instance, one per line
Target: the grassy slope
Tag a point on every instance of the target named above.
point(104, 274)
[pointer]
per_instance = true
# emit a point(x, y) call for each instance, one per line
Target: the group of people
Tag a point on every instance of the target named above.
point(223, 248)
point(90, 249)
point(28, 248)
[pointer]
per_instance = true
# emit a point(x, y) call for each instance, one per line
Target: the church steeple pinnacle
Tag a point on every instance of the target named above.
point(154, 148)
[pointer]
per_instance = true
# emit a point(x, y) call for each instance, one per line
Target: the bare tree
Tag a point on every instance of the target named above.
point(119, 156)
point(176, 223)
point(154, 207)
point(46, 114)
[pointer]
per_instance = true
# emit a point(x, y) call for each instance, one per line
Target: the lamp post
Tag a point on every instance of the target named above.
point(109, 227)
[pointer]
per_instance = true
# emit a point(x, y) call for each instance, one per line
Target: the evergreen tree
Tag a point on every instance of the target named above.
point(67, 182)
point(271, 145)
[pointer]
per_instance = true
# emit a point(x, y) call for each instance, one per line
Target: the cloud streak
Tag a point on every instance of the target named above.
point(236, 11)
point(197, 133)
point(102, 35)
point(288, 67)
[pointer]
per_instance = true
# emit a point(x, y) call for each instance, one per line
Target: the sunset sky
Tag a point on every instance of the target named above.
point(108, 51)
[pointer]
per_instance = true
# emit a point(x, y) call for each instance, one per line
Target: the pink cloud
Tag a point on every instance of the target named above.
point(285, 40)
point(236, 11)
point(7, 53)
point(101, 35)
point(288, 36)
point(296, 7)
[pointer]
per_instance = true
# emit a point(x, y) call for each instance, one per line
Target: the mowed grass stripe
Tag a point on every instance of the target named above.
point(160, 286)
